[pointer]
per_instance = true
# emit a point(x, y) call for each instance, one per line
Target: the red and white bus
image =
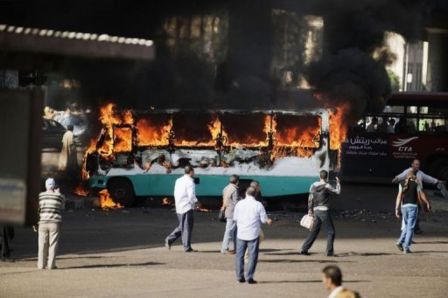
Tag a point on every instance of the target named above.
point(412, 125)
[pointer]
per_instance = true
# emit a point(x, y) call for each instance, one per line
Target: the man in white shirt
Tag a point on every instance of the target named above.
point(185, 200)
point(249, 214)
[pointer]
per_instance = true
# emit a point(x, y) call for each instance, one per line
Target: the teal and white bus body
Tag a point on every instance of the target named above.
point(286, 176)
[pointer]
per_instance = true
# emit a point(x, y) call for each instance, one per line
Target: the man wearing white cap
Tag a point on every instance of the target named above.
point(51, 205)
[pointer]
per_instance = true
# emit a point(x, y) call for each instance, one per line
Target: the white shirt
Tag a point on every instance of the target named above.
point(249, 214)
point(335, 292)
point(420, 175)
point(184, 194)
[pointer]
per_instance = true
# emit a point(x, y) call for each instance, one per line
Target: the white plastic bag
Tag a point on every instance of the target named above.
point(307, 221)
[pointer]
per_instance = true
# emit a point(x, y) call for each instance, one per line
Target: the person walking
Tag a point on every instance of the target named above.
point(332, 281)
point(249, 214)
point(408, 198)
point(259, 197)
point(423, 178)
point(319, 206)
point(185, 200)
point(415, 167)
point(230, 196)
point(68, 160)
point(51, 205)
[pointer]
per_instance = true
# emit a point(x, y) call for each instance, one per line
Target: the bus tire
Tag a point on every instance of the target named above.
point(121, 191)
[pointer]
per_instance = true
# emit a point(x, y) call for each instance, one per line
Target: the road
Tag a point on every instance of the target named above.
point(120, 253)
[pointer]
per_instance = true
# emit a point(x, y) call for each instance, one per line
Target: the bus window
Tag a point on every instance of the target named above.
point(432, 125)
point(423, 110)
point(412, 110)
point(377, 124)
point(192, 129)
point(122, 139)
point(438, 125)
point(240, 133)
point(153, 130)
point(411, 124)
point(424, 125)
point(394, 109)
point(298, 130)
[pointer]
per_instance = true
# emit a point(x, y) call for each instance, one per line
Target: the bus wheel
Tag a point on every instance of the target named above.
point(121, 191)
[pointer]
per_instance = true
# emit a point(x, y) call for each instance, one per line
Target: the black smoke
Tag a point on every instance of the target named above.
point(352, 68)
point(353, 32)
point(350, 76)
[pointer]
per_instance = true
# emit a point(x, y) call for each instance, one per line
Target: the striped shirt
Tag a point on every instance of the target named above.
point(51, 205)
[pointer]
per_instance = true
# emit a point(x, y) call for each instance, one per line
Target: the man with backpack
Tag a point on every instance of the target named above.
point(319, 207)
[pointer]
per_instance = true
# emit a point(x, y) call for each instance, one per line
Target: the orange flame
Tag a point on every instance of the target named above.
point(122, 139)
point(106, 201)
point(149, 134)
point(81, 191)
point(338, 126)
point(90, 149)
point(167, 202)
point(216, 129)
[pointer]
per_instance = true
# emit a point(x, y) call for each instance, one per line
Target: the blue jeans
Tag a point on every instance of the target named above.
point(229, 234)
point(409, 213)
point(252, 247)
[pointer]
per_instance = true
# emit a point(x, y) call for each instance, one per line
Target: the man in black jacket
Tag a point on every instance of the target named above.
point(319, 206)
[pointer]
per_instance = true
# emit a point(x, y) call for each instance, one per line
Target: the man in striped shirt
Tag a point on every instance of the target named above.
point(51, 205)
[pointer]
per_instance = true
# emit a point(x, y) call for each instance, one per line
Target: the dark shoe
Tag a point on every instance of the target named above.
point(252, 281)
point(330, 254)
point(191, 250)
point(399, 246)
point(305, 253)
point(407, 251)
point(241, 280)
point(168, 244)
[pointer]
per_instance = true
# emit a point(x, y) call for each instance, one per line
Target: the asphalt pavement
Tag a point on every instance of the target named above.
point(120, 253)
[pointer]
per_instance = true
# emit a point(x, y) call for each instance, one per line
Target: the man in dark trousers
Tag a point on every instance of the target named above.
point(7, 234)
point(319, 207)
point(185, 199)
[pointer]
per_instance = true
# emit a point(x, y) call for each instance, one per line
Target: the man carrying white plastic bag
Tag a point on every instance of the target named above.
point(318, 207)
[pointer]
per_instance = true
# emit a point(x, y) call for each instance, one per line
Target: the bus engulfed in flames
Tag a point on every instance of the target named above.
point(162, 142)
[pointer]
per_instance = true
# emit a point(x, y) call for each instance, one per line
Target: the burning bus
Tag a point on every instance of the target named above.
point(140, 154)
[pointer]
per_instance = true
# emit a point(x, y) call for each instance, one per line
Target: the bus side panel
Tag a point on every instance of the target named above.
point(212, 185)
